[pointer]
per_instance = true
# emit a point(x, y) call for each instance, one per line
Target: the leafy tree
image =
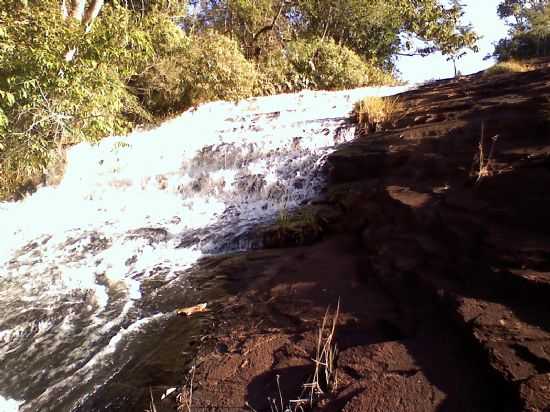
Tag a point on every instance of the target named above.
point(49, 100)
point(372, 28)
point(260, 26)
point(323, 64)
point(458, 40)
point(381, 29)
point(520, 11)
point(529, 29)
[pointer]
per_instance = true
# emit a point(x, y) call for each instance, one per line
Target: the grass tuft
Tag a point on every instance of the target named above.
point(185, 398)
point(373, 112)
point(152, 406)
point(510, 66)
point(483, 161)
point(325, 361)
point(325, 378)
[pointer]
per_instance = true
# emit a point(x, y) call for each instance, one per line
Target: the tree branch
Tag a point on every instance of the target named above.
point(76, 9)
point(270, 26)
point(92, 11)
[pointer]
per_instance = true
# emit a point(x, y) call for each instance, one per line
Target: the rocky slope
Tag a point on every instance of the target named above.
point(443, 275)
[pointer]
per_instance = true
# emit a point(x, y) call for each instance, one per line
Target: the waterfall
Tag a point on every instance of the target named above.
point(78, 260)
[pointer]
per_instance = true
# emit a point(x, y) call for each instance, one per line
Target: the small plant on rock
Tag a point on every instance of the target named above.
point(325, 378)
point(483, 161)
point(372, 113)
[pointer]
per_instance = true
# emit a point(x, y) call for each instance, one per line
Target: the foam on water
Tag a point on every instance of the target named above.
point(9, 405)
point(73, 258)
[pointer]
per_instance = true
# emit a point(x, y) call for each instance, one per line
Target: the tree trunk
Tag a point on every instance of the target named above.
point(76, 9)
point(265, 29)
point(92, 11)
point(64, 10)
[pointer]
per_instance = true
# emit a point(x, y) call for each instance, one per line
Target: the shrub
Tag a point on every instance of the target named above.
point(48, 101)
point(511, 66)
point(203, 67)
point(326, 65)
point(161, 87)
point(214, 68)
point(372, 112)
point(275, 74)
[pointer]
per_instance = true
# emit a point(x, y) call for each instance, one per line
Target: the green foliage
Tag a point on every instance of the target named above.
point(370, 28)
point(529, 34)
point(275, 74)
point(521, 46)
point(327, 65)
point(216, 70)
point(161, 87)
point(63, 82)
point(378, 29)
point(299, 227)
point(374, 29)
point(48, 100)
point(259, 26)
point(207, 66)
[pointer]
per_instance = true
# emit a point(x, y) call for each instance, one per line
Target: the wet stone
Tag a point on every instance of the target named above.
point(153, 235)
point(251, 183)
point(221, 347)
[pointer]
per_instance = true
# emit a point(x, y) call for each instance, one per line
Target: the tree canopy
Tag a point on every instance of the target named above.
point(529, 29)
point(377, 30)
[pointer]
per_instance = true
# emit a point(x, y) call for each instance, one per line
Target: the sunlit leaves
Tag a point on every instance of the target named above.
point(47, 102)
point(529, 34)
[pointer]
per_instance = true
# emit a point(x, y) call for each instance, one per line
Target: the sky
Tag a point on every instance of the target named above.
point(482, 14)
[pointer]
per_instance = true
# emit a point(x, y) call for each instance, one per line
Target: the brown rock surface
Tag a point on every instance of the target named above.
point(443, 278)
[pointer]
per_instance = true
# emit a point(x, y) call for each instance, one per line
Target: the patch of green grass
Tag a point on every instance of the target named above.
point(293, 228)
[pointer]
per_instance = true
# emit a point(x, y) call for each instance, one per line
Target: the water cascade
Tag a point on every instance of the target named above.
point(75, 259)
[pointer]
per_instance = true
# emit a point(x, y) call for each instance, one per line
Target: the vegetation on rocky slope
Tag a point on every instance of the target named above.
point(529, 29)
point(80, 70)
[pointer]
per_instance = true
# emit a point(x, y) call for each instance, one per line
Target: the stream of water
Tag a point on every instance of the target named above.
point(74, 258)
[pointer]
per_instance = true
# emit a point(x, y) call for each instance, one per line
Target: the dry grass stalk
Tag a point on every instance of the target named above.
point(485, 169)
point(325, 358)
point(152, 406)
point(511, 66)
point(185, 398)
point(278, 405)
point(324, 375)
point(371, 112)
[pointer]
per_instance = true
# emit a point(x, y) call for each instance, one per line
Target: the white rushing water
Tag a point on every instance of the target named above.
point(74, 258)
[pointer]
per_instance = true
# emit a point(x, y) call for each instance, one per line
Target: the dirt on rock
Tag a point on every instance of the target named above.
point(443, 276)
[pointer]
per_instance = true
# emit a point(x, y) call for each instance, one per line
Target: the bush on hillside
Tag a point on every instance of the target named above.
point(522, 46)
point(161, 86)
point(216, 69)
point(326, 65)
point(47, 100)
point(275, 74)
point(207, 67)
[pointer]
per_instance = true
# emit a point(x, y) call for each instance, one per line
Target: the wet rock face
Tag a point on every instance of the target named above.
point(151, 234)
point(443, 278)
point(251, 183)
point(478, 245)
